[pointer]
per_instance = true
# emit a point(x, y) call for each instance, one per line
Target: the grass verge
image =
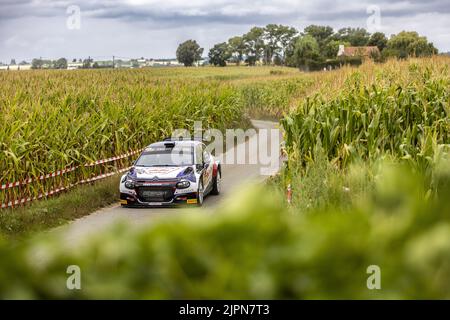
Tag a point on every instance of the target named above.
point(45, 214)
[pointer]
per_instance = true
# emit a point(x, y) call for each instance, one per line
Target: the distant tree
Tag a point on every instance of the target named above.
point(271, 42)
point(219, 54)
point(22, 63)
point(74, 60)
point(189, 52)
point(60, 64)
point(322, 34)
point(306, 51)
point(37, 64)
point(237, 48)
point(391, 53)
point(410, 44)
point(286, 36)
point(95, 65)
point(254, 45)
point(378, 39)
point(289, 52)
point(355, 36)
point(87, 63)
point(13, 62)
point(277, 38)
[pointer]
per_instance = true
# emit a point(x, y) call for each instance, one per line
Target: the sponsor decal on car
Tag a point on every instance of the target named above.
point(156, 171)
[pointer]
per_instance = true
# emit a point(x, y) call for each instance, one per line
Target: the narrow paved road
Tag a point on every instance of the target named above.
point(232, 176)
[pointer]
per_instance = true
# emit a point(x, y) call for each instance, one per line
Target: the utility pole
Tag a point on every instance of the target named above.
point(113, 62)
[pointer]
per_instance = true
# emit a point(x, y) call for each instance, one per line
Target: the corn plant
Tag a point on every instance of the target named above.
point(403, 113)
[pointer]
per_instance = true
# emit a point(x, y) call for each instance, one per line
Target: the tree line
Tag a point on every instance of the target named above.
point(49, 64)
point(62, 63)
point(277, 44)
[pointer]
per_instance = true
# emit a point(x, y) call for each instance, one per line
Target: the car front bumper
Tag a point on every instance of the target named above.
point(179, 199)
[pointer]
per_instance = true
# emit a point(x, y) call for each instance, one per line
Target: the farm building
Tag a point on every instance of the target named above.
point(364, 52)
point(16, 67)
point(74, 65)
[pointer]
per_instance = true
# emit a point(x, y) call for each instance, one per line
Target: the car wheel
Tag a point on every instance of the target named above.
point(217, 184)
point(200, 194)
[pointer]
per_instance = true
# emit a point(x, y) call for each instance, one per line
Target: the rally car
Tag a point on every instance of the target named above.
point(171, 172)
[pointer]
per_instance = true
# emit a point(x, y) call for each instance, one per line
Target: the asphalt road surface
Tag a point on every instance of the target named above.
point(233, 176)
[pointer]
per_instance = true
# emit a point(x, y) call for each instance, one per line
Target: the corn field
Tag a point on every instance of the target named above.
point(54, 120)
point(273, 98)
point(400, 109)
point(60, 120)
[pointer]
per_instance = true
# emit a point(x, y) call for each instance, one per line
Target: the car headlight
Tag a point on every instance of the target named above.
point(129, 184)
point(183, 184)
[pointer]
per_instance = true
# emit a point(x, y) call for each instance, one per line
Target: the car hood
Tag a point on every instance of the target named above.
point(159, 172)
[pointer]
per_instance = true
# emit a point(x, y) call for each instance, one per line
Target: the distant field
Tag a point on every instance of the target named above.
point(215, 73)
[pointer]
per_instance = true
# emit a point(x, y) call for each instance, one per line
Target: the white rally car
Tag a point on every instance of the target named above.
point(169, 173)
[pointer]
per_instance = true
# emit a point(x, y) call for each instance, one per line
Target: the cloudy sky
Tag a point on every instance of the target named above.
point(153, 28)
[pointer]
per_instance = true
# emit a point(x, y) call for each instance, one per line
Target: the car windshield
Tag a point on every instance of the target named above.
point(166, 157)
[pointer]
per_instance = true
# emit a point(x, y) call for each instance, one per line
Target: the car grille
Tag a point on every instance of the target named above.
point(155, 194)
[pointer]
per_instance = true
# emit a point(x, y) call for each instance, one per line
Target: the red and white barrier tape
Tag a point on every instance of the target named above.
point(58, 190)
point(65, 170)
point(103, 176)
point(113, 158)
point(43, 177)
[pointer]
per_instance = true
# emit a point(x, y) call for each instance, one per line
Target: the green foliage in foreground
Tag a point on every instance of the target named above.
point(256, 247)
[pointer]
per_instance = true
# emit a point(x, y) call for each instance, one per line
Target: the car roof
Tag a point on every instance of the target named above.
point(184, 143)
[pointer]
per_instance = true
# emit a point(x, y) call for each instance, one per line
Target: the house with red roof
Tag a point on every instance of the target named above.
point(363, 52)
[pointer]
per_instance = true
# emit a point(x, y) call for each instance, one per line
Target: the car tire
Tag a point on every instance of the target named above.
point(200, 194)
point(217, 184)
